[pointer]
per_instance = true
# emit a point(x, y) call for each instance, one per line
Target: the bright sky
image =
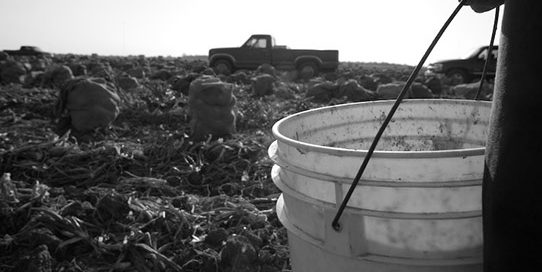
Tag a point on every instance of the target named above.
point(395, 31)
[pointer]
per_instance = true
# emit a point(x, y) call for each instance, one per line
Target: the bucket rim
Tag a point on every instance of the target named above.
point(339, 151)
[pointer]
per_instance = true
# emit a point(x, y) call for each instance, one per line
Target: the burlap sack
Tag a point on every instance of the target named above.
point(211, 105)
point(218, 121)
point(266, 68)
point(12, 72)
point(354, 92)
point(419, 90)
point(434, 84)
point(211, 90)
point(368, 82)
point(90, 104)
point(263, 85)
point(182, 83)
point(56, 76)
point(469, 90)
point(322, 92)
point(390, 90)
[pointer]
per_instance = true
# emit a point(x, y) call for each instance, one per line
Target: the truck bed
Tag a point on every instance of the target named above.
point(286, 58)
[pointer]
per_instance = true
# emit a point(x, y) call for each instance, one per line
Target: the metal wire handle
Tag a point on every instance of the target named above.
point(489, 51)
point(335, 224)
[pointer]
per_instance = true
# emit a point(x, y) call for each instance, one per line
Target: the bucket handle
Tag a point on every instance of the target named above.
point(335, 223)
point(489, 53)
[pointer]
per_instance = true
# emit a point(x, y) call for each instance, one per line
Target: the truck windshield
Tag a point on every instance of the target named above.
point(481, 53)
point(256, 43)
point(474, 53)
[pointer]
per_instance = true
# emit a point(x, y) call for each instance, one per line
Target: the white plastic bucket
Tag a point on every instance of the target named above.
point(418, 204)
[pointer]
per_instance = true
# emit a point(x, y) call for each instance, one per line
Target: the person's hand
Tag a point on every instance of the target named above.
point(483, 5)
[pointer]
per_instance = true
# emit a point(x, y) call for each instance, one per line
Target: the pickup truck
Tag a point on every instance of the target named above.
point(460, 71)
point(261, 48)
point(26, 50)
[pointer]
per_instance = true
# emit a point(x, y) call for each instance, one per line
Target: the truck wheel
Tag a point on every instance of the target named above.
point(222, 67)
point(457, 76)
point(308, 70)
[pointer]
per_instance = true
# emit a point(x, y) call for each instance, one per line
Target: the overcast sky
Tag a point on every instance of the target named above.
point(395, 31)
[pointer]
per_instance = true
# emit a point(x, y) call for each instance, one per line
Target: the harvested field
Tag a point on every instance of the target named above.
point(141, 195)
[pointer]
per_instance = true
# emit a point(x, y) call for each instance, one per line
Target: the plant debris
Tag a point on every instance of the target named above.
point(142, 195)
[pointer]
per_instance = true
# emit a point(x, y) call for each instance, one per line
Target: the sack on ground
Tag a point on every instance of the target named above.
point(90, 104)
point(354, 92)
point(211, 105)
point(211, 90)
point(419, 90)
point(263, 85)
point(322, 92)
point(390, 90)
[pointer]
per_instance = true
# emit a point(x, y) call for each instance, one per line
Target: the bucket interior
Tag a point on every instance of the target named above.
point(418, 125)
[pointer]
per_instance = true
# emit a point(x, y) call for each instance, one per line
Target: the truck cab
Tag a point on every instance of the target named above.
point(257, 50)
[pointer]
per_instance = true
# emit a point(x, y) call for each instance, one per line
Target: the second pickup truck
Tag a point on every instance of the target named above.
point(260, 49)
point(460, 71)
point(26, 50)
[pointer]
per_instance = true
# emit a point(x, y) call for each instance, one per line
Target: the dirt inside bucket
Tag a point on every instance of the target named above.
point(409, 143)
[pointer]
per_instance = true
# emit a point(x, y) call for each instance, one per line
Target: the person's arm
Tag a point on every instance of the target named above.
point(484, 5)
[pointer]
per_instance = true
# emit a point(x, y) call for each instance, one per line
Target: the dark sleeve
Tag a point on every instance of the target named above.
point(512, 191)
point(484, 5)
